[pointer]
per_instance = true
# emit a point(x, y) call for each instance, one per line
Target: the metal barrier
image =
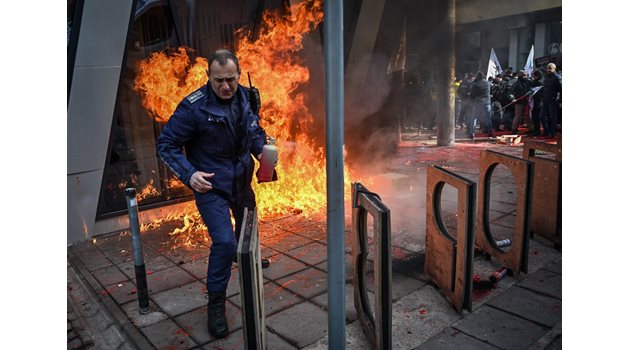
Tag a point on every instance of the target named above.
point(547, 190)
point(449, 260)
point(251, 282)
point(516, 258)
point(378, 330)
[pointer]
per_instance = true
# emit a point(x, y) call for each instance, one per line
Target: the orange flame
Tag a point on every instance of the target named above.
point(163, 80)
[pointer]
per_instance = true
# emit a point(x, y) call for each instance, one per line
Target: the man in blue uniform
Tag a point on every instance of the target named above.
point(220, 131)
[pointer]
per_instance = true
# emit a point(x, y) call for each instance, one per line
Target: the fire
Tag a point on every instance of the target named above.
point(276, 69)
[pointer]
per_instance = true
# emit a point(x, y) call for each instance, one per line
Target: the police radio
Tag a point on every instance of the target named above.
point(254, 96)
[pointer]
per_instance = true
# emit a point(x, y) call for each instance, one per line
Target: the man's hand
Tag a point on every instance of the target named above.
point(200, 181)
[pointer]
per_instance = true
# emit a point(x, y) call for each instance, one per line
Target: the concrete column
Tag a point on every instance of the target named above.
point(97, 69)
point(446, 96)
point(539, 40)
point(513, 50)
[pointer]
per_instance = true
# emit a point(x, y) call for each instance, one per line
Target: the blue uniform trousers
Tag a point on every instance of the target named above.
point(215, 212)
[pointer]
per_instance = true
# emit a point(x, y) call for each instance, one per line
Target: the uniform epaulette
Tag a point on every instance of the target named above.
point(195, 96)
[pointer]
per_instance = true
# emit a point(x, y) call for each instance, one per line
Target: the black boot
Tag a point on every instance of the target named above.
point(217, 323)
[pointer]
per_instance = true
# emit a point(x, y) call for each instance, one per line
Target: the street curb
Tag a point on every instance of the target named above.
point(91, 320)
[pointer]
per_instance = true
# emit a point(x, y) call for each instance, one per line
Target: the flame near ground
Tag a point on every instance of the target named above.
point(276, 69)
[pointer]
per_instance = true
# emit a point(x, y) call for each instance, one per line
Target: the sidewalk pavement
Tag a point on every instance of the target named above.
point(520, 312)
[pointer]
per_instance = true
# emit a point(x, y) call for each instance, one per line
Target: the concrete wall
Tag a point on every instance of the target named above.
point(97, 68)
point(481, 10)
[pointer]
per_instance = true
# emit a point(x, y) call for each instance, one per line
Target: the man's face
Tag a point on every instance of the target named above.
point(550, 69)
point(224, 79)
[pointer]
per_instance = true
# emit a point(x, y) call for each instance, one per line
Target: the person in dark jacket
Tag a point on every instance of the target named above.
point(480, 99)
point(551, 90)
point(520, 89)
point(221, 133)
point(463, 93)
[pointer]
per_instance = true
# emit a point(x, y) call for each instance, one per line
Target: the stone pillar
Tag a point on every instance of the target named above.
point(446, 76)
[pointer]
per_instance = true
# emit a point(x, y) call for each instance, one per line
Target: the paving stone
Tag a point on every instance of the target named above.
point(401, 284)
point(95, 261)
point(155, 315)
point(306, 283)
point(234, 341)
point(348, 268)
point(267, 230)
point(295, 223)
point(285, 242)
point(197, 268)
point(276, 298)
point(315, 231)
point(109, 275)
point(500, 328)
point(541, 254)
point(275, 342)
point(182, 299)
point(168, 335)
point(312, 253)
point(412, 265)
point(151, 264)
point(296, 327)
point(195, 322)
point(166, 279)
point(555, 267)
point(452, 339)
point(182, 255)
point(545, 282)
point(282, 265)
point(529, 305)
point(123, 292)
point(351, 312)
point(419, 316)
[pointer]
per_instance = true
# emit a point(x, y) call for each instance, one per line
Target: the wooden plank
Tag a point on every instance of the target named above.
point(546, 199)
point(522, 170)
point(448, 259)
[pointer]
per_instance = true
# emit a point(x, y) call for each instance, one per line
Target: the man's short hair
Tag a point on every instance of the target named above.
point(551, 65)
point(222, 56)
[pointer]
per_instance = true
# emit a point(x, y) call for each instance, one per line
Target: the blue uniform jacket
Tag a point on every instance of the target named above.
point(208, 133)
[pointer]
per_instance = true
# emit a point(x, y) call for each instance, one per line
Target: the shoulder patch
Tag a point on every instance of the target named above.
point(195, 96)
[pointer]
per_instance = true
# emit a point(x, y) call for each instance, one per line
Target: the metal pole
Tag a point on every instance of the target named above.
point(138, 259)
point(333, 50)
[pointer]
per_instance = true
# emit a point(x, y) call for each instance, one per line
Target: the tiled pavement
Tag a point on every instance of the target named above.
point(520, 312)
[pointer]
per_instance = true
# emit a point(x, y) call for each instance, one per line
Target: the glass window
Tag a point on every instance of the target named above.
point(132, 159)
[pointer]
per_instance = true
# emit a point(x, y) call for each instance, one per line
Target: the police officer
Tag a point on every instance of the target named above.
point(220, 131)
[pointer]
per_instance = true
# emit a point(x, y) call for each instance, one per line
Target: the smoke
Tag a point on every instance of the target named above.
point(366, 87)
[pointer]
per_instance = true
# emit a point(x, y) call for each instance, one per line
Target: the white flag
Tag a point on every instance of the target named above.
point(529, 65)
point(494, 67)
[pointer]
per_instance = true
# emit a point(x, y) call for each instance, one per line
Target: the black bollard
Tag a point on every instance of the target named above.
point(138, 259)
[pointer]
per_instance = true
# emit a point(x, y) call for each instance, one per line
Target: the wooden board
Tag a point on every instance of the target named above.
point(546, 195)
point(522, 170)
point(448, 260)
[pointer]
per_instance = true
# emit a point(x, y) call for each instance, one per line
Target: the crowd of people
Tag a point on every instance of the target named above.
point(507, 102)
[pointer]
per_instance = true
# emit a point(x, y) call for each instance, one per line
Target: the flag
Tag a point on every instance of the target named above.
point(530, 102)
point(494, 67)
point(529, 65)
